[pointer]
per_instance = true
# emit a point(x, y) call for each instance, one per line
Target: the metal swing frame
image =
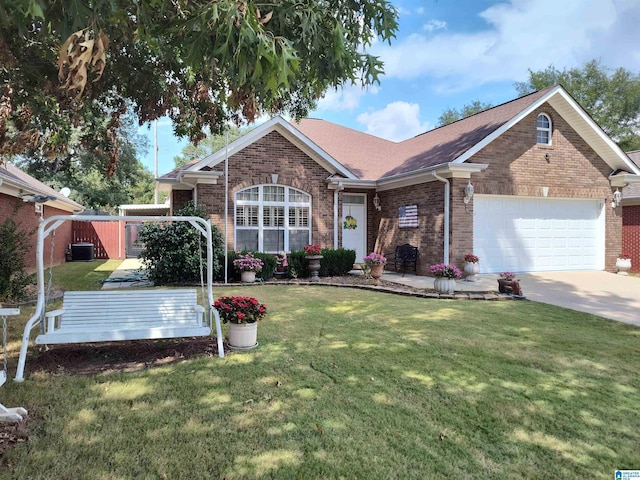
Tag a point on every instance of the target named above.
point(14, 414)
point(49, 225)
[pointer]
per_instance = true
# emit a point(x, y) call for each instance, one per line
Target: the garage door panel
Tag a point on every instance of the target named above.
point(538, 234)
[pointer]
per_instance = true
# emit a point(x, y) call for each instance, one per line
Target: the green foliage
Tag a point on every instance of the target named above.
point(83, 171)
point(200, 63)
point(209, 145)
point(451, 115)
point(14, 246)
point(269, 266)
point(298, 265)
point(171, 249)
point(336, 262)
point(611, 98)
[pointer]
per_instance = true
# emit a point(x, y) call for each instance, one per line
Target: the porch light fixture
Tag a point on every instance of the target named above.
point(376, 202)
point(468, 192)
point(617, 198)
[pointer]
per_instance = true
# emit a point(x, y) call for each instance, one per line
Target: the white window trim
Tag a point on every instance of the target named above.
point(261, 203)
point(548, 130)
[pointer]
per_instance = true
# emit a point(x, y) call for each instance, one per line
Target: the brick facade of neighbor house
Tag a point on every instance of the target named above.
point(631, 235)
point(29, 220)
point(518, 166)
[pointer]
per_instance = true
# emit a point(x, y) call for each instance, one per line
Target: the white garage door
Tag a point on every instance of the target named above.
point(521, 234)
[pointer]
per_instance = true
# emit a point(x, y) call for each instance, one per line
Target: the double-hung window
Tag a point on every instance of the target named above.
point(272, 218)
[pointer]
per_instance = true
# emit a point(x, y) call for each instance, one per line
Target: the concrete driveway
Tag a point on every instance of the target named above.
point(608, 295)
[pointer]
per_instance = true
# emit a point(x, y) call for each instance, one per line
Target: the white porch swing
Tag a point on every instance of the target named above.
point(118, 315)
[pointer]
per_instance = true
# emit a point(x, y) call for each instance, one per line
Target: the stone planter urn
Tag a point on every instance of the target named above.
point(376, 272)
point(471, 269)
point(248, 276)
point(623, 265)
point(444, 285)
point(243, 336)
point(314, 266)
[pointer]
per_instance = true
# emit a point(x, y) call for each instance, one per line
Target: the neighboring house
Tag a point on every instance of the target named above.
point(631, 218)
point(15, 187)
point(540, 167)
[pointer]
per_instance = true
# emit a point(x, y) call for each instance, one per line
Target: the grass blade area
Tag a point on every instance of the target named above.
point(354, 384)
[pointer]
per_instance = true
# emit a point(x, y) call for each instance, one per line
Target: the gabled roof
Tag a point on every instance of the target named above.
point(14, 181)
point(280, 125)
point(374, 158)
point(362, 157)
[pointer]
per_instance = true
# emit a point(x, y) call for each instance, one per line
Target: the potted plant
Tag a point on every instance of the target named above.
point(471, 267)
point(248, 265)
point(375, 262)
point(505, 282)
point(446, 275)
point(242, 314)
point(623, 263)
point(313, 256)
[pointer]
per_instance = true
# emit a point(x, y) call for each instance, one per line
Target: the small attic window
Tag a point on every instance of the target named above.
point(543, 130)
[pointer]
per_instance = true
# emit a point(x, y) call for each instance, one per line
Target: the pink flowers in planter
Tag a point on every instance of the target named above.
point(471, 258)
point(441, 270)
point(248, 263)
point(508, 276)
point(375, 259)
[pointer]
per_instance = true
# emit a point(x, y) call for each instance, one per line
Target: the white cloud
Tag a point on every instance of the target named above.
point(521, 35)
point(420, 10)
point(434, 24)
point(347, 98)
point(397, 121)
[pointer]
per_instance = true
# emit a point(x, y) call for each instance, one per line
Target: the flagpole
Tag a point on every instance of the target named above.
point(226, 205)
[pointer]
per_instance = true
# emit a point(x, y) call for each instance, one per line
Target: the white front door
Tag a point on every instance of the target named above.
point(354, 224)
point(525, 234)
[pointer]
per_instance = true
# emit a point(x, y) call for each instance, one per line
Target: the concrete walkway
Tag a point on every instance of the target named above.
point(126, 276)
point(605, 294)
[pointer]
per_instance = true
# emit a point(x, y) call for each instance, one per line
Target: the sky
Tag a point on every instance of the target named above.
point(449, 53)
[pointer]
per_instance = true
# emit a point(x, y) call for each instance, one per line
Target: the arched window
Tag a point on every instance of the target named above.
point(272, 219)
point(543, 127)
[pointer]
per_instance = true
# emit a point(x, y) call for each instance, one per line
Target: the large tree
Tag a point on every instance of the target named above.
point(67, 64)
point(611, 97)
point(451, 115)
point(82, 170)
point(212, 143)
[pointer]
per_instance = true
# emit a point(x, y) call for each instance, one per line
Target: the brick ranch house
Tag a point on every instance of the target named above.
point(14, 183)
point(631, 218)
point(543, 176)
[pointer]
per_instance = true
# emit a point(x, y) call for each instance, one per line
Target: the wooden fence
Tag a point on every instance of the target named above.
point(105, 237)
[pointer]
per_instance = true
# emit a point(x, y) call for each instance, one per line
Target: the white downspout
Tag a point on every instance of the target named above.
point(447, 190)
point(193, 185)
point(336, 220)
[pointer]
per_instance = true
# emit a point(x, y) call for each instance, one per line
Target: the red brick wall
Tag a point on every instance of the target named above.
point(28, 219)
point(631, 235)
point(517, 166)
point(254, 165)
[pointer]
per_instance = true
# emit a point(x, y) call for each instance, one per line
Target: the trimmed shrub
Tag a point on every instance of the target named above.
point(336, 262)
point(298, 265)
point(171, 249)
point(14, 245)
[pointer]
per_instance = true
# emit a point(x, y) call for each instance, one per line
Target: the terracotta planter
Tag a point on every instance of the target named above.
point(471, 269)
point(248, 276)
point(444, 285)
point(376, 272)
point(314, 266)
point(243, 336)
point(623, 265)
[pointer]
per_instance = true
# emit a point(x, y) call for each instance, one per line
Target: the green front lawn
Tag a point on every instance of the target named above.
point(357, 385)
